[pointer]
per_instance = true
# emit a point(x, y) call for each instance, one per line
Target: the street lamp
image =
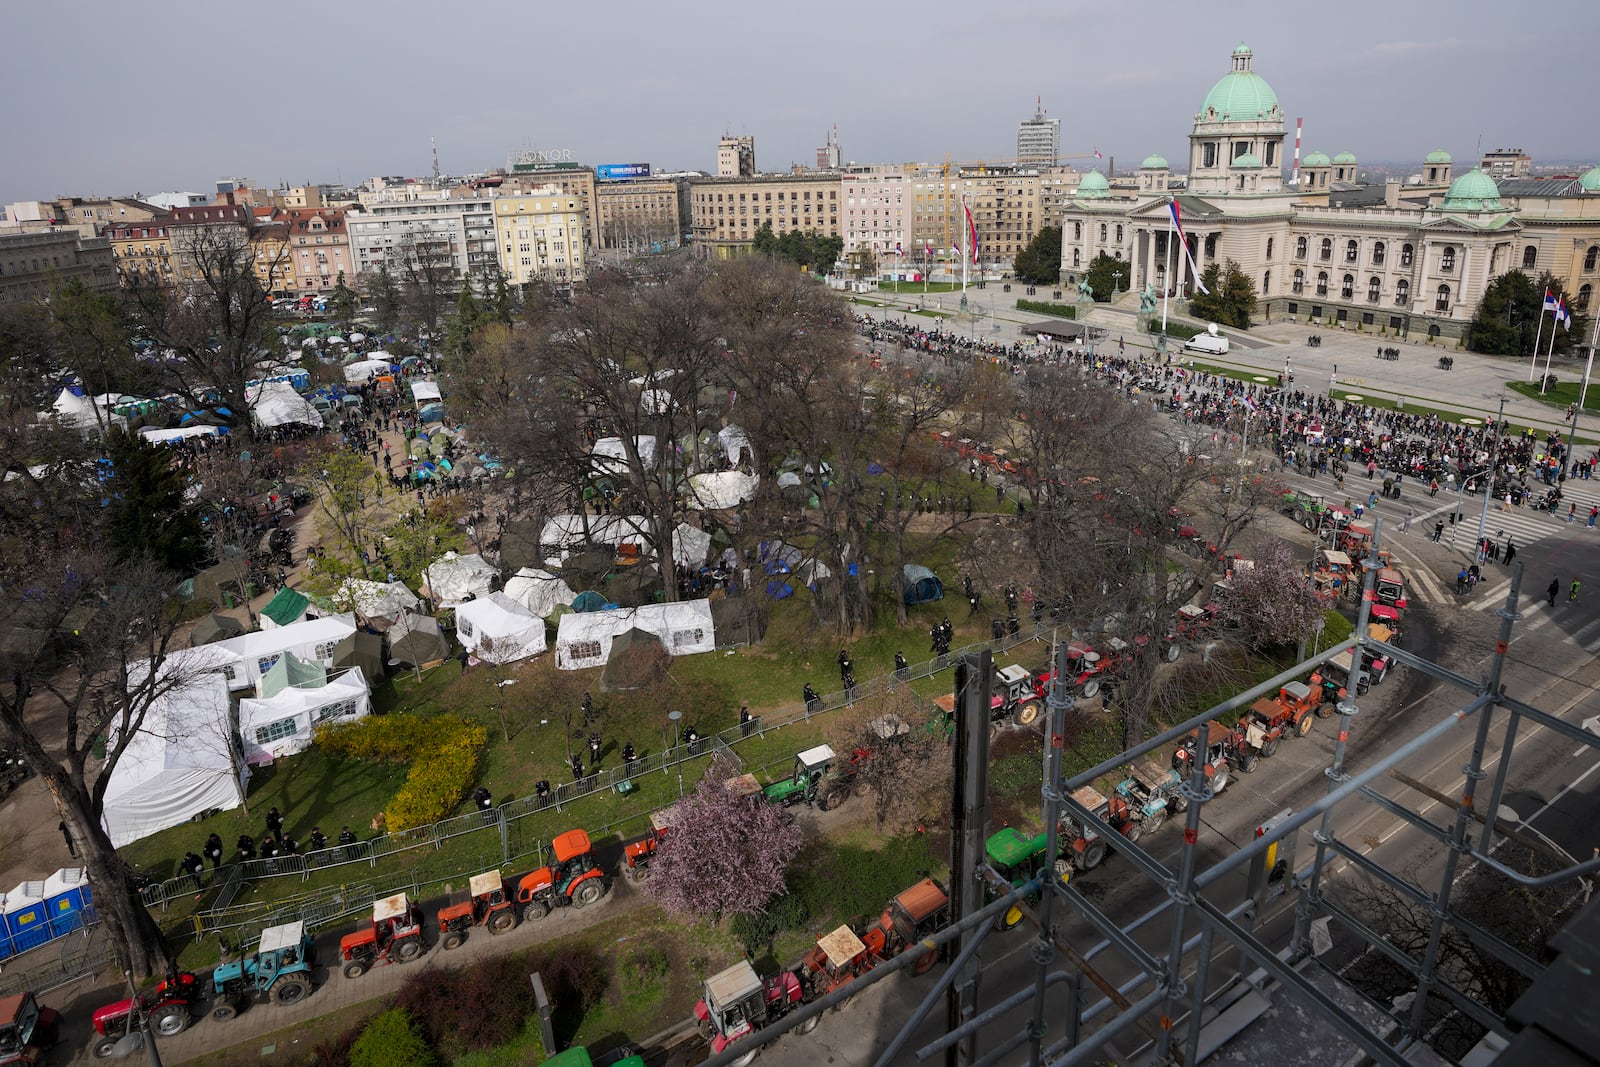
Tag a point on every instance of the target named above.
point(670, 735)
point(1488, 476)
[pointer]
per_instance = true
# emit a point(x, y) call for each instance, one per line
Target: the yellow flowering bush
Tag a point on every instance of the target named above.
point(443, 753)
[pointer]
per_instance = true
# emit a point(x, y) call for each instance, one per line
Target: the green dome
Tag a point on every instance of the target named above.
point(1246, 162)
point(1153, 162)
point(1093, 186)
point(1241, 94)
point(1317, 159)
point(1438, 155)
point(1345, 159)
point(1473, 191)
point(1590, 182)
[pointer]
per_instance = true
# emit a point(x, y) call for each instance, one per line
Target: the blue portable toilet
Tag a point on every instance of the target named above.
point(66, 899)
point(27, 923)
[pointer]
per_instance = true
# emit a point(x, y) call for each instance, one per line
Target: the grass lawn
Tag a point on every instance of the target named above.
point(1563, 395)
point(922, 287)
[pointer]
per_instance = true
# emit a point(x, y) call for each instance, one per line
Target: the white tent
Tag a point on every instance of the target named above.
point(563, 534)
point(277, 404)
point(584, 638)
point(611, 455)
point(375, 600)
point(735, 440)
point(498, 629)
point(364, 370)
point(725, 489)
point(539, 591)
point(655, 401)
point(282, 725)
point(451, 578)
point(157, 437)
point(690, 545)
point(78, 412)
point(421, 391)
point(244, 659)
point(177, 765)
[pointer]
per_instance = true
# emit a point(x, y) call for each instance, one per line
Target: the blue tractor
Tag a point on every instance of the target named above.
point(280, 971)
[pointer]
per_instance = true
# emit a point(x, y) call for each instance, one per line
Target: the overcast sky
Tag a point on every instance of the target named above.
point(108, 98)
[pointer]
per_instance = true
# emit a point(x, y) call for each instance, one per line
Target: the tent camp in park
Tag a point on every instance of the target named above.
point(423, 392)
point(277, 404)
point(214, 627)
point(722, 490)
point(590, 600)
point(177, 765)
point(611, 454)
point(451, 578)
point(919, 585)
point(416, 641)
point(287, 606)
point(282, 723)
point(377, 602)
point(584, 639)
point(638, 659)
point(363, 650)
point(364, 370)
point(564, 535)
point(244, 659)
point(539, 591)
point(216, 584)
point(519, 545)
point(737, 444)
point(497, 629)
point(83, 414)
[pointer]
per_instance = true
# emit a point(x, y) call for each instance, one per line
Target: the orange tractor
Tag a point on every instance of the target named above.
point(639, 854)
point(489, 905)
point(572, 879)
point(920, 911)
point(395, 936)
point(1270, 719)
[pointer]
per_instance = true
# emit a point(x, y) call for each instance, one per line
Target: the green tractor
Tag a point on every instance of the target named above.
point(814, 781)
point(1017, 860)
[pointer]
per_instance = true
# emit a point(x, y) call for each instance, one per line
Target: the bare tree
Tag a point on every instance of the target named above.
point(216, 324)
point(896, 757)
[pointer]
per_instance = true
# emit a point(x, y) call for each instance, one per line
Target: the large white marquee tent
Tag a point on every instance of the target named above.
point(583, 639)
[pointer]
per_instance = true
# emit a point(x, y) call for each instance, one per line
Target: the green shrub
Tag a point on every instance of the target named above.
point(391, 1039)
point(443, 753)
point(1175, 329)
point(469, 1008)
point(641, 974)
point(757, 930)
point(1042, 307)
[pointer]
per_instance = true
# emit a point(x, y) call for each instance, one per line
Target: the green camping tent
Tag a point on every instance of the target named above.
point(286, 607)
point(292, 672)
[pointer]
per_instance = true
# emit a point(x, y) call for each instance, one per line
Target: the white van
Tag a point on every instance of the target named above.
point(1211, 341)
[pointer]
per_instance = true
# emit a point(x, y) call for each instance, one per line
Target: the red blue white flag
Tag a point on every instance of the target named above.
point(972, 234)
point(1183, 242)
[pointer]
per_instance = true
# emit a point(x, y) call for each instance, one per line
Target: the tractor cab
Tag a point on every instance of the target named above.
point(638, 854)
point(1388, 617)
point(488, 904)
point(1218, 747)
point(26, 1029)
point(1016, 859)
point(736, 1003)
point(1191, 621)
point(280, 969)
point(917, 912)
point(838, 959)
point(394, 936)
point(571, 878)
point(802, 787)
point(1080, 840)
point(1084, 665)
point(1332, 567)
point(1336, 674)
point(1390, 587)
point(1356, 540)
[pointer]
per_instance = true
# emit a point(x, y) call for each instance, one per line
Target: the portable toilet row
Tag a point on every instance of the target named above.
point(36, 912)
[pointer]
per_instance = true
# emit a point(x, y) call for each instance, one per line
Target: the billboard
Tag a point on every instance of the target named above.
point(611, 171)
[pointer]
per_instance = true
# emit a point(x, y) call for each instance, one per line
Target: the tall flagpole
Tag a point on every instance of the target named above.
point(1550, 352)
point(1539, 333)
point(966, 252)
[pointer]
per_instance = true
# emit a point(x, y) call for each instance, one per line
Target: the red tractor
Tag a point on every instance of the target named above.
point(837, 960)
point(1389, 587)
point(1084, 667)
point(1018, 697)
point(170, 1007)
point(572, 879)
point(920, 911)
point(490, 905)
point(1218, 748)
point(638, 854)
point(737, 1002)
point(1269, 720)
point(26, 1030)
point(395, 936)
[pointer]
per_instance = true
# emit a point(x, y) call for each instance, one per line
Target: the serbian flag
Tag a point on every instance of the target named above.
point(928, 245)
point(972, 233)
point(1250, 402)
point(1097, 154)
point(897, 249)
point(1549, 301)
point(1183, 243)
point(1563, 316)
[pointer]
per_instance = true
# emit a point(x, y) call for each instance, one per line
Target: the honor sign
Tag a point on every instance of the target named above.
point(549, 159)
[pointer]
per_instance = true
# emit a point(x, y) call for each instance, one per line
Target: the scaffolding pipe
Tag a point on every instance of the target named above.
point(1084, 1050)
point(989, 1015)
point(1472, 774)
point(1059, 701)
point(1137, 980)
point(939, 989)
point(1191, 1046)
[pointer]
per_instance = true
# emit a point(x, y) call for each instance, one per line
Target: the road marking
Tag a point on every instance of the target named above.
point(1569, 787)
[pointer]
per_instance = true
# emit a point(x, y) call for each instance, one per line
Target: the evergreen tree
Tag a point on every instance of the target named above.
point(145, 511)
point(344, 300)
point(1507, 322)
point(1040, 262)
point(458, 328)
point(1232, 297)
point(1102, 276)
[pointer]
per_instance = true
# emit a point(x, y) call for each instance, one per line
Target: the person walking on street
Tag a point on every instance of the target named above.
point(1553, 589)
point(1511, 552)
point(1572, 594)
point(1405, 527)
point(1594, 513)
point(1505, 504)
point(1438, 531)
point(1572, 512)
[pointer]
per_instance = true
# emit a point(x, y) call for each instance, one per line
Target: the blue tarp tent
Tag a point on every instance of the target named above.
point(589, 600)
point(919, 584)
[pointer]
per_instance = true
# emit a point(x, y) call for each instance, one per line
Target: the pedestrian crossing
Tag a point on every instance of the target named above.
point(1537, 613)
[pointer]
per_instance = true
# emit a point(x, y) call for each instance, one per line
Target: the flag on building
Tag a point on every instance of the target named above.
point(1563, 316)
point(1549, 301)
point(1183, 242)
point(1097, 154)
point(897, 249)
point(972, 233)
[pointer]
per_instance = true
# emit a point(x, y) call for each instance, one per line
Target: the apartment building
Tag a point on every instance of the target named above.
point(727, 212)
point(540, 235)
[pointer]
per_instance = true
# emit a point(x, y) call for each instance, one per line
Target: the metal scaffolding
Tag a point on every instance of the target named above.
point(1167, 996)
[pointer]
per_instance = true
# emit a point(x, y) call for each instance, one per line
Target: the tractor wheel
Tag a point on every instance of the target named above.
point(1172, 652)
point(453, 940)
point(1094, 855)
point(587, 893)
point(225, 1010)
point(833, 798)
point(1028, 713)
point(290, 990)
point(809, 1025)
point(408, 950)
point(1247, 763)
point(1269, 748)
point(1154, 822)
point(747, 1059)
point(1219, 781)
point(925, 961)
point(638, 873)
point(1325, 710)
point(1135, 832)
point(501, 921)
point(535, 911)
point(172, 1019)
point(1008, 919)
point(355, 969)
point(1090, 688)
point(1303, 727)
point(103, 1047)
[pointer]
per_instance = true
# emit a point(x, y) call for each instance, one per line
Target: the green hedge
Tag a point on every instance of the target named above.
point(1040, 307)
point(391, 1038)
point(443, 753)
point(1175, 329)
